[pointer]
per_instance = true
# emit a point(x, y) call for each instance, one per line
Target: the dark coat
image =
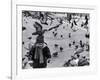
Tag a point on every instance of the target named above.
point(46, 55)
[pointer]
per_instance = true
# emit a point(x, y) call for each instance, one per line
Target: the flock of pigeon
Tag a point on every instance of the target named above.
point(68, 42)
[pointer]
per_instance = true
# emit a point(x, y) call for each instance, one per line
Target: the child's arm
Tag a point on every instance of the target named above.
point(54, 27)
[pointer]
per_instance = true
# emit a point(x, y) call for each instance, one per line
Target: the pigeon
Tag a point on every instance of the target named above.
point(29, 38)
point(55, 34)
point(55, 54)
point(23, 42)
point(76, 47)
point(69, 44)
point(56, 45)
point(61, 49)
point(69, 35)
point(87, 36)
point(61, 36)
point(73, 42)
point(23, 28)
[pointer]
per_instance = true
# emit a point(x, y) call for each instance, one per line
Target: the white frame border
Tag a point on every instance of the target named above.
point(53, 71)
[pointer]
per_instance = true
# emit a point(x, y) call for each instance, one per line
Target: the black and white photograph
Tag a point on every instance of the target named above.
point(50, 40)
point(55, 39)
